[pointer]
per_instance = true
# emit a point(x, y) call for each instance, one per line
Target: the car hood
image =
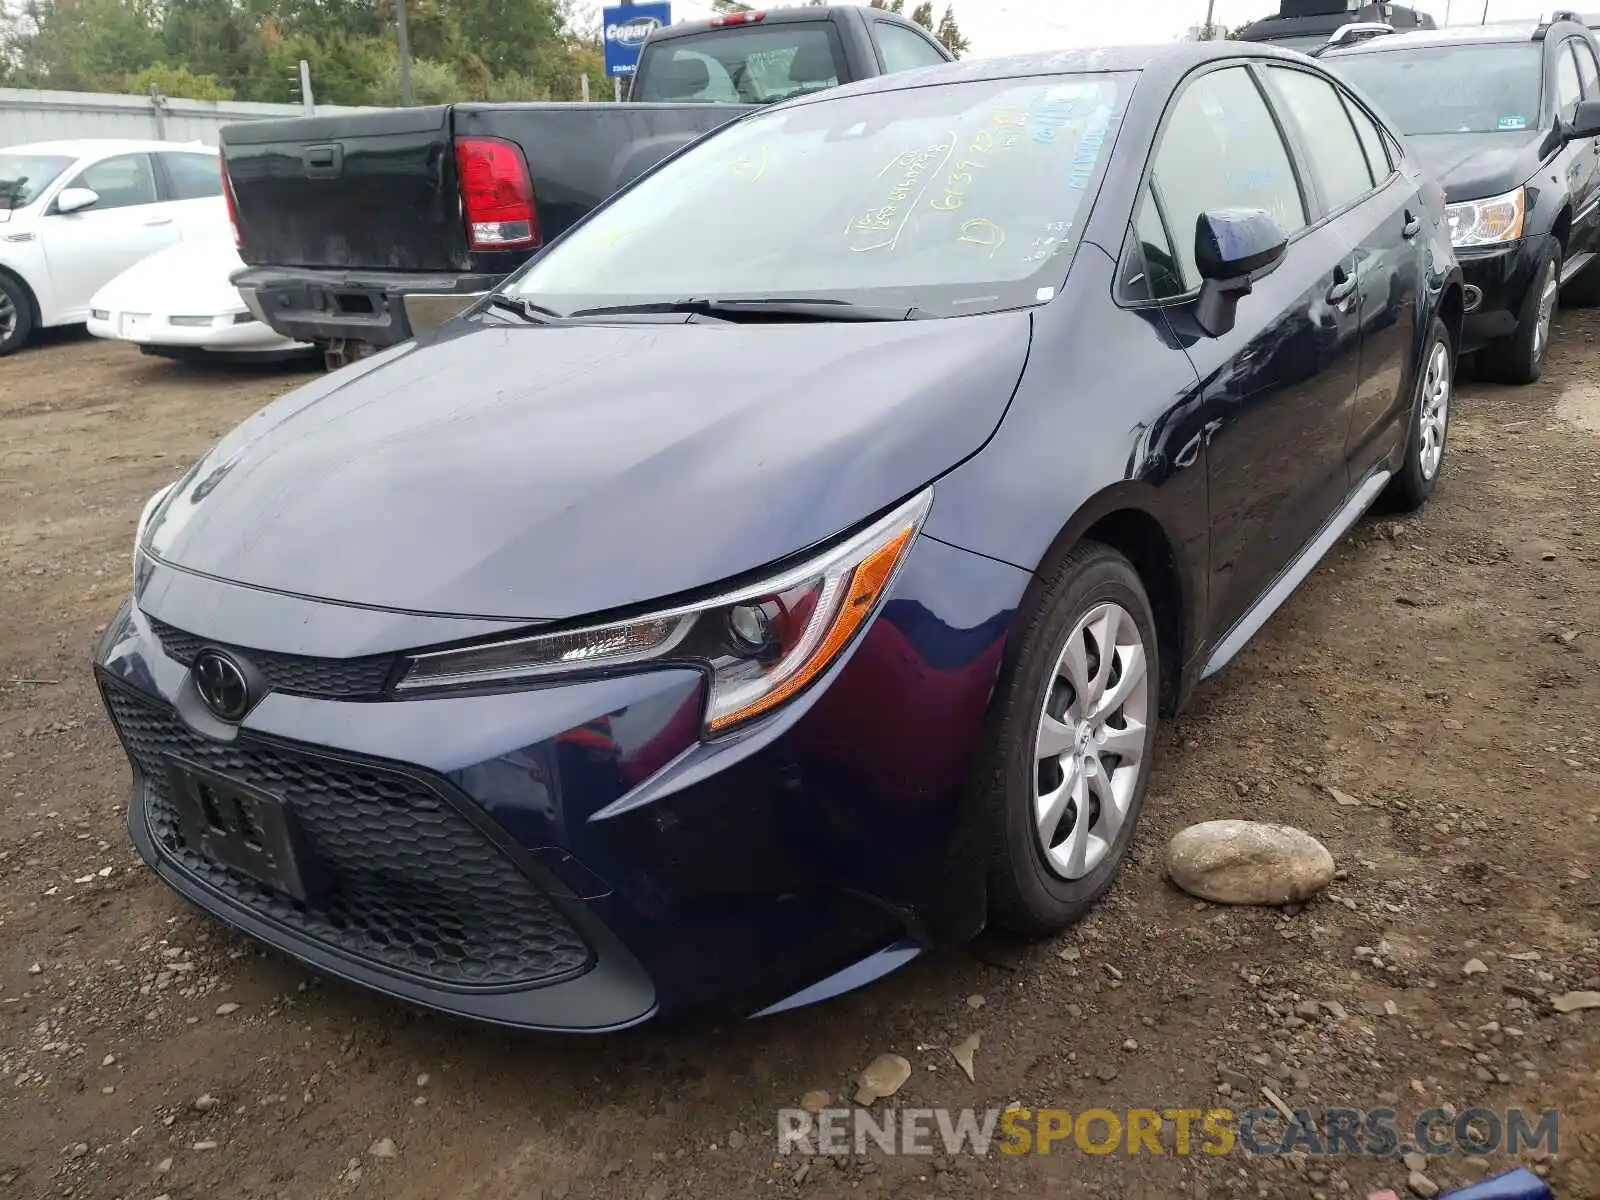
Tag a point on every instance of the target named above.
point(1471, 166)
point(544, 472)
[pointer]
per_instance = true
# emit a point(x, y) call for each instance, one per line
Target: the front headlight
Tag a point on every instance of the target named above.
point(762, 644)
point(1487, 222)
point(145, 514)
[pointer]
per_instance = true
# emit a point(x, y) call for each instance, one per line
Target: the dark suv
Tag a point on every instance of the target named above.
point(1497, 113)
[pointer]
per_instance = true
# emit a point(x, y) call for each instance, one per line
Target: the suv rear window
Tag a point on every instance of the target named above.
point(751, 64)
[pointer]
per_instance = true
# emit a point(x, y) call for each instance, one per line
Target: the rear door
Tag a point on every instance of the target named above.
point(191, 187)
point(370, 191)
point(88, 249)
point(1277, 388)
point(1378, 210)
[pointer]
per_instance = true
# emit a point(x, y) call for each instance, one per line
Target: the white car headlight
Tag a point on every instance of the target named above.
point(1489, 222)
point(762, 644)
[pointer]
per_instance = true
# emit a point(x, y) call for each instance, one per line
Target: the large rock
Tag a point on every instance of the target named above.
point(1246, 862)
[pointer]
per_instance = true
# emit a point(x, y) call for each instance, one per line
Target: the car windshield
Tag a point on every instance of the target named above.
point(1485, 88)
point(24, 176)
point(956, 198)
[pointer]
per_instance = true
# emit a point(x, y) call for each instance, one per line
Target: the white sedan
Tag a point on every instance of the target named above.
point(75, 215)
point(179, 303)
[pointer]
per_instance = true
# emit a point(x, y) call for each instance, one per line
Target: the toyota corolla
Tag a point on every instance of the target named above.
point(785, 572)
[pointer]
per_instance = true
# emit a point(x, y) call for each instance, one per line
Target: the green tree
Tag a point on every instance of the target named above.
point(950, 35)
point(894, 6)
point(177, 81)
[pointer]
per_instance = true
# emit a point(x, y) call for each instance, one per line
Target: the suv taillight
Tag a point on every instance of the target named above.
point(496, 194)
point(233, 205)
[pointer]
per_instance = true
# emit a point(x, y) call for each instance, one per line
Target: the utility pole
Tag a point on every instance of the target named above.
point(405, 51)
point(1485, 20)
point(1211, 7)
point(306, 98)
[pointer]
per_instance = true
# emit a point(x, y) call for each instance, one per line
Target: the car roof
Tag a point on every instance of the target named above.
point(1168, 58)
point(1457, 35)
point(92, 147)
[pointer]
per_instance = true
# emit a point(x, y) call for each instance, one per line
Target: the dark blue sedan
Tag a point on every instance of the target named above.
point(783, 575)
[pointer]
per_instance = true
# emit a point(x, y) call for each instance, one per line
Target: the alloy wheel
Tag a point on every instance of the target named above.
point(1549, 288)
point(1090, 742)
point(1434, 417)
point(8, 317)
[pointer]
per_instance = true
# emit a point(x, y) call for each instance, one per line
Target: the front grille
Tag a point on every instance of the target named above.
point(297, 674)
point(415, 886)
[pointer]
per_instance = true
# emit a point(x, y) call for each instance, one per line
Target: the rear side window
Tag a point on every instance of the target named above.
point(1222, 149)
point(903, 50)
point(1336, 154)
point(745, 64)
point(1371, 140)
point(1569, 88)
point(193, 176)
point(120, 182)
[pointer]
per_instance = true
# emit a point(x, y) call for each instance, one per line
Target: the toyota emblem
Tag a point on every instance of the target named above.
point(221, 684)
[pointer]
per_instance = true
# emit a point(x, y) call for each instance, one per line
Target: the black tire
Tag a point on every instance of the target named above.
point(1584, 290)
point(17, 318)
point(1413, 483)
point(1026, 895)
point(1519, 358)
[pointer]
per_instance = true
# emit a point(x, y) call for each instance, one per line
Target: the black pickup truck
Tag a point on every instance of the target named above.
point(361, 230)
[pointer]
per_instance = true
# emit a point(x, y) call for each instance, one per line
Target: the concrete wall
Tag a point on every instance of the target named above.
point(38, 116)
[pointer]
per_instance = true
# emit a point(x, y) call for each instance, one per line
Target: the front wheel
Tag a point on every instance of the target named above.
point(1520, 357)
point(1413, 483)
point(16, 315)
point(1072, 735)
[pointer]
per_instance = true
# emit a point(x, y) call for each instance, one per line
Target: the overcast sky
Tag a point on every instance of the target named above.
point(1014, 26)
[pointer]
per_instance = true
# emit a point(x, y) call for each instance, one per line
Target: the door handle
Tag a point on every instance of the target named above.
point(1412, 227)
point(159, 221)
point(1344, 286)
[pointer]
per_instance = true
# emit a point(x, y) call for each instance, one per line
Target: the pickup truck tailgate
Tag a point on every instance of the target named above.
point(373, 191)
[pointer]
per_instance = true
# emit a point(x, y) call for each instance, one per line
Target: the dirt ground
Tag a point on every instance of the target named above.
point(1439, 670)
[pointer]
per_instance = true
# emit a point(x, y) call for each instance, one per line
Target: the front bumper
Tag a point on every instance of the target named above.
point(381, 308)
point(469, 870)
point(1502, 275)
point(223, 334)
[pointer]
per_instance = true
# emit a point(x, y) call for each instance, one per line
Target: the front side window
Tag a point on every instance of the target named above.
point(1221, 149)
point(1569, 88)
point(1151, 271)
point(1483, 88)
point(746, 64)
point(120, 182)
point(193, 176)
point(1336, 155)
point(903, 50)
point(954, 198)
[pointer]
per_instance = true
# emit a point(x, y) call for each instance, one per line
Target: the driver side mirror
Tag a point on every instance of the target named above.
point(1585, 122)
point(76, 199)
point(1233, 247)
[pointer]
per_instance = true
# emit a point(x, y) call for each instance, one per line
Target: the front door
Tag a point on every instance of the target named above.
point(1277, 388)
point(87, 249)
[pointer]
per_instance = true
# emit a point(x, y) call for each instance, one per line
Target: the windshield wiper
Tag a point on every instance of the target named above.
point(805, 308)
point(526, 309)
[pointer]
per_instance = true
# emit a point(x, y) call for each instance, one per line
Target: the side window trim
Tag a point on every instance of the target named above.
point(1149, 187)
point(1354, 106)
point(1581, 46)
point(1290, 127)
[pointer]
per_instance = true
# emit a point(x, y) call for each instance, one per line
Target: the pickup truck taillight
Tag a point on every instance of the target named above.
point(233, 205)
point(496, 194)
point(738, 18)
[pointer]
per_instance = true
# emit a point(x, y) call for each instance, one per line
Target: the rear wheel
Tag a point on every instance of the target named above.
point(1071, 740)
point(1520, 357)
point(1413, 483)
point(16, 315)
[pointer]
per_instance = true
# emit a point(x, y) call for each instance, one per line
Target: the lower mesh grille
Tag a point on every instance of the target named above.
point(415, 886)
